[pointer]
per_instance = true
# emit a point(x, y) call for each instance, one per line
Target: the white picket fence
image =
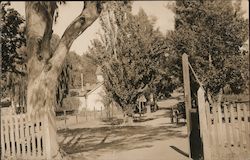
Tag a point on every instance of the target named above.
point(25, 138)
point(225, 130)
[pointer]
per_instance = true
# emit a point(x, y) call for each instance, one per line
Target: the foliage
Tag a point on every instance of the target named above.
point(80, 65)
point(132, 56)
point(13, 55)
point(71, 103)
point(12, 37)
point(211, 33)
point(70, 78)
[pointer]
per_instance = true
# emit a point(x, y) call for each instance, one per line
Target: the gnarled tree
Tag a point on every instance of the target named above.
point(44, 67)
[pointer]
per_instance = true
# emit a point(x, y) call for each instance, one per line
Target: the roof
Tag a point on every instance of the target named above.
point(95, 88)
point(142, 98)
point(83, 93)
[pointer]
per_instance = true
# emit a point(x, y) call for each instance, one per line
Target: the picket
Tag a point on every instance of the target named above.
point(22, 142)
point(232, 121)
point(219, 120)
point(12, 143)
point(37, 139)
point(33, 146)
point(240, 125)
point(247, 129)
point(208, 115)
point(203, 121)
point(23, 138)
point(16, 136)
point(233, 128)
point(27, 137)
point(215, 131)
point(3, 128)
point(7, 136)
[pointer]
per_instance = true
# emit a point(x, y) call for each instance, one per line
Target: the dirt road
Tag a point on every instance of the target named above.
point(155, 138)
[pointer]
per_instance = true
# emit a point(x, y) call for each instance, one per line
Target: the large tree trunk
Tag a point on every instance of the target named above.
point(45, 67)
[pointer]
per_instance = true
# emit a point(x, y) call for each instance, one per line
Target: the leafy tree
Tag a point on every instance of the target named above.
point(211, 33)
point(80, 65)
point(71, 103)
point(12, 38)
point(132, 56)
point(13, 55)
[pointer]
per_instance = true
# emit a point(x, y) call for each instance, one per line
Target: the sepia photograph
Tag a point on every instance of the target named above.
point(125, 80)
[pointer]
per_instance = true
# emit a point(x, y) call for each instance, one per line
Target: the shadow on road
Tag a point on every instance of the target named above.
point(180, 151)
point(114, 138)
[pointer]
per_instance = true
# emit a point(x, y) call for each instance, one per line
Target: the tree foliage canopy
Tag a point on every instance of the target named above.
point(12, 38)
point(132, 56)
point(211, 32)
point(13, 55)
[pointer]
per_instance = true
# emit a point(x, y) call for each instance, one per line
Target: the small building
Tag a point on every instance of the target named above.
point(89, 97)
point(94, 97)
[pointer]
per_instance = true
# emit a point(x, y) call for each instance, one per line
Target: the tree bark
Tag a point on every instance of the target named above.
point(44, 67)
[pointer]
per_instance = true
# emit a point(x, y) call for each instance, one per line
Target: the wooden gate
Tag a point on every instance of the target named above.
point(22, 138)
point(225, 129)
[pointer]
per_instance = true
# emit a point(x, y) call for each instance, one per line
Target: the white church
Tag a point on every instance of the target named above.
point(93, 96)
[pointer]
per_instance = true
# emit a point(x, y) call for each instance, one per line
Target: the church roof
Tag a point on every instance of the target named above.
point(96, 87)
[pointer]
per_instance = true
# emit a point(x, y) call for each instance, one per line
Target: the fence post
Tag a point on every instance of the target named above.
point(94, 113)
point(86, 114)
point(101, 112)
point(112, 110)
point(187, 94)
point(65, 117)
point(203, 124)
point(76, 114)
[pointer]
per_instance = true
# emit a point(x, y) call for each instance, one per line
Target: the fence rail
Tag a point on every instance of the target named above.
point(66, 118)
point(225, 130)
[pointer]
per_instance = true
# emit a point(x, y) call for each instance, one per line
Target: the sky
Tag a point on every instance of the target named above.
point(165, 19)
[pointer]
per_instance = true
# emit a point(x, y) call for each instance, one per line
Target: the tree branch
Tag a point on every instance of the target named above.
point(89, 14)
point(49, 10)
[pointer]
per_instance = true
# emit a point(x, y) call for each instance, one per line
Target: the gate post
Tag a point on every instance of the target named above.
point(203, 123)
point(192, 116)
point(187, 95)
